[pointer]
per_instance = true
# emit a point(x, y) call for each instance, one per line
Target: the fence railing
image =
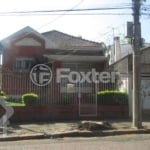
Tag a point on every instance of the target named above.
point(15, 84)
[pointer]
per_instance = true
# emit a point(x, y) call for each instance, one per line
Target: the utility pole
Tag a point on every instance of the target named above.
point(137, 103)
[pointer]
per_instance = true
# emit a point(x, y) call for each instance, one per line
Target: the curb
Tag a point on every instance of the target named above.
point(74, 134)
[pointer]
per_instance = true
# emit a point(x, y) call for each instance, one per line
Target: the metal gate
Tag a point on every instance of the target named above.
point(85, 91)
point(87, 99)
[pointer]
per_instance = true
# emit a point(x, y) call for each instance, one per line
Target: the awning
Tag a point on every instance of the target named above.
point(76, 58)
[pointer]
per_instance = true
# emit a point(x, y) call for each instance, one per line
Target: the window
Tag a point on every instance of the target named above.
point(23, 63)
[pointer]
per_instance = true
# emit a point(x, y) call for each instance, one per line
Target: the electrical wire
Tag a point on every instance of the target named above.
point(57, 12)
point(74, 14)
point(77, 12)
point(65, 10)
point(60, 16)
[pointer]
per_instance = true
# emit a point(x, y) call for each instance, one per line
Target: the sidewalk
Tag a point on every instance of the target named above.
point(67, 129)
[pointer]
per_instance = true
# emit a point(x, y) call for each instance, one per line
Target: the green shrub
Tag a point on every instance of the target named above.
point(30, 98)
point(3, 95)
point(112, 98)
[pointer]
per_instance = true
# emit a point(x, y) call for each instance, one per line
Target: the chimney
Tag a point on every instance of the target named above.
point(117, 48)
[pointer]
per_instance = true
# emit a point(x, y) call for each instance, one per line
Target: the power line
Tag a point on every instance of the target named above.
point(62, 15)
point(64, 10)
point(129, 6)
point(77, 14)
point(72, 14)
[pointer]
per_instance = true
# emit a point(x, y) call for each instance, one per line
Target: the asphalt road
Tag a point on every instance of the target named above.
point(125, 142)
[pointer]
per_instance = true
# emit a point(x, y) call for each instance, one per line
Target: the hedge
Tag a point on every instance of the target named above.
point(30, 98)
point(112, 98)
point(3, 95)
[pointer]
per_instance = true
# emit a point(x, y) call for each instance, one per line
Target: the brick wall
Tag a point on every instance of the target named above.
point(64, 112)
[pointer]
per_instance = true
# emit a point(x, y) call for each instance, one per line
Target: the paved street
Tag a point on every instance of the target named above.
point(125, 142)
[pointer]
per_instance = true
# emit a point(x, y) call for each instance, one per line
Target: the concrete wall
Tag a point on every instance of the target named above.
point(124, 66)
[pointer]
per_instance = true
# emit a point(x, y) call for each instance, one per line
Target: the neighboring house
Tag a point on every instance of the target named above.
point(124, 66)
point(118, 50)
point(27, 47)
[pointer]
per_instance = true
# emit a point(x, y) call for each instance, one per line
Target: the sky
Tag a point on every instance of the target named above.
point(99, 28)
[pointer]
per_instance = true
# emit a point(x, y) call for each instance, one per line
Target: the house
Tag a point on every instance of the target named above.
point(27, 48)
point(124, 66)
point(119, 50)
